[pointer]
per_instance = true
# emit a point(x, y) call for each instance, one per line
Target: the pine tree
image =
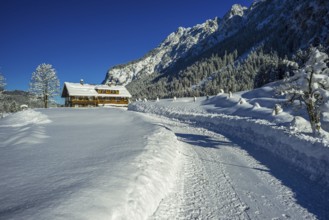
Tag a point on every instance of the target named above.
point(44, 83)
point(13, 107)
point(2, 82)
point(5, 107)
point(2, 87)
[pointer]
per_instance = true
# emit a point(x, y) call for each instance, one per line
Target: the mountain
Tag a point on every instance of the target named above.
point(178, 45)
point(243, 50)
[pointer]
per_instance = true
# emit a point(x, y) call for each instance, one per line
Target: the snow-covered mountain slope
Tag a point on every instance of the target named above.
point(276, 26)
point(185, 41)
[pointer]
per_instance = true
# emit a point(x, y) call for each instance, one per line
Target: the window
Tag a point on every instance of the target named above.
point(106, 91)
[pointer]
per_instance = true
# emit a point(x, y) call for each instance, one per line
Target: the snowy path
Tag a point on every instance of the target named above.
point(221, 180)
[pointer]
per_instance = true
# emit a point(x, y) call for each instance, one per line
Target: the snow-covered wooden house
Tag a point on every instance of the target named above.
point(81, 95)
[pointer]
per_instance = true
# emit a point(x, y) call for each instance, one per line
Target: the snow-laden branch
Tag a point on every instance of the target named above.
point(310, 85)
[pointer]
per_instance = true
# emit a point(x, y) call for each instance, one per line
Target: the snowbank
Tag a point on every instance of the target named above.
point(24, 118)
point(133, 191)
point(154, 177)
point(309, 154)
point(23, 129)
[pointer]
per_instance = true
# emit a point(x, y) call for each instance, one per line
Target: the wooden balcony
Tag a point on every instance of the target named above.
point(96, 102)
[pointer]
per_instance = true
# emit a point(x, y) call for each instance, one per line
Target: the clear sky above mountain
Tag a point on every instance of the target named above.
point(82, 39)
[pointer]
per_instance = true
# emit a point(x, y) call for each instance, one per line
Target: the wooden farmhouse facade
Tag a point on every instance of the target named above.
point(84, 95)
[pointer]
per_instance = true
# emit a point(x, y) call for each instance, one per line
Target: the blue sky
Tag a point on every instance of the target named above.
point(82, 39)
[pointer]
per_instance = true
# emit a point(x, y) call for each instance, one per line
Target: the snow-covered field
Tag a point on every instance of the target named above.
point(216, 158)
point(83, 164)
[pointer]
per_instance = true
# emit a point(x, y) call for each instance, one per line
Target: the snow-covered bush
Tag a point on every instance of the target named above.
point(157, 99)
point(230, 95)
point(221, 91)
point(242, 101)
point(299, 124)
point(256, 105)
point(310, 86)
point(24, 107)
point(174, 98)
point(277, 109)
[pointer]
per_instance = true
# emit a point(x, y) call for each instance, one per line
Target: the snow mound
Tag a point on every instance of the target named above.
point(136, 191)
point(24, 118)
point(299, 124)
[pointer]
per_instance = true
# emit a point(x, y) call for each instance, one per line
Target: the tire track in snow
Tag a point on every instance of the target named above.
point(219, 180)
point(222, 195)
point(202, 193)
point(188, 194)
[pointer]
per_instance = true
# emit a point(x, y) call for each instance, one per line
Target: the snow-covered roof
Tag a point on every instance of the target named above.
point(78, 89)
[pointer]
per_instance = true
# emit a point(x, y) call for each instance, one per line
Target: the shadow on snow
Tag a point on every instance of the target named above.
point(208, 142)
point(308, 194)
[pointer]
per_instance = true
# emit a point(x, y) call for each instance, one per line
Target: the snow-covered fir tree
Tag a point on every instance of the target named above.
point(310, 86)
point(13, 107)
point(2, 87)
point(2, 82)
point(44, 83)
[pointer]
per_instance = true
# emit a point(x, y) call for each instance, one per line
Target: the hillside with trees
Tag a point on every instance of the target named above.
point(245, 49)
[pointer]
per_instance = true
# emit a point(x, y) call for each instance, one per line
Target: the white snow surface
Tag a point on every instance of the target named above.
point(216, 158)
point(84, 164)
point(24, 118)
point(287, 135)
